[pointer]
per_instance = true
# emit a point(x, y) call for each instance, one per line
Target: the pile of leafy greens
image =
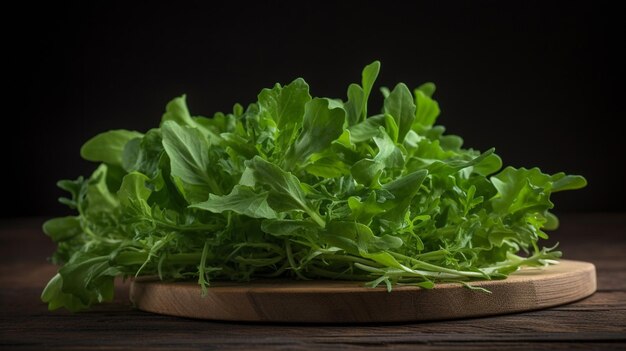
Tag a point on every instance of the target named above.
point(299, 187)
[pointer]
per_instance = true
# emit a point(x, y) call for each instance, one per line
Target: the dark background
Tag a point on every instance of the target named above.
point(543, 82)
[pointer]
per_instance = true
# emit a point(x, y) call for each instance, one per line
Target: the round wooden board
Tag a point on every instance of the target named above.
point(351, 302)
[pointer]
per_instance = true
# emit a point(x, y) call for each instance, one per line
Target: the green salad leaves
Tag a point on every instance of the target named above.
point(299, 187)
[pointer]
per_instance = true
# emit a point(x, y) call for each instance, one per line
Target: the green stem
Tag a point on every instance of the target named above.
point(292, 262)
point(436, 268)
point(431, 255)
point(347, 258)
point(316, 217)
point(130, 258)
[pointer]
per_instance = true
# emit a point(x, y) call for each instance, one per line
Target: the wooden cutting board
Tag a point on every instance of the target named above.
point(351, 302)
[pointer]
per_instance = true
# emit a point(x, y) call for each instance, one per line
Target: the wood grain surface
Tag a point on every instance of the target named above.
point(351, 302)
point(594, 323)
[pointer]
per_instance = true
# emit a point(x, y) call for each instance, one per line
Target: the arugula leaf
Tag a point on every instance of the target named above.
point(285, 190)
point(242, 200)
point(521, 189)
point(188, 151)
point(299, 187)
point(370, 73)
point(177, 111)
point(62, 228)
point(101, 202)
point(399, 104)
point(356, 107)
point(108, 147)
point(54, 296)
point(328, 167)
point(357, 237)
point(322, 125)
point(134, 194)
point(367, 129)
point(427, 109)
point(285, 105)
point(144, 154)
point(368, 171)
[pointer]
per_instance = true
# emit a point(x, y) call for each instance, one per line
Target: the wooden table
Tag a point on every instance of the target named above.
point(598, 322)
